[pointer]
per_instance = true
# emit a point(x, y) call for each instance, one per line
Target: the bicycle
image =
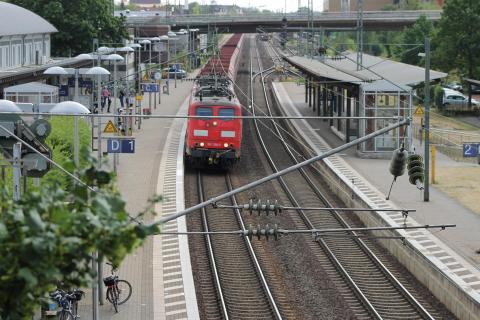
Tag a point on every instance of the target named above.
point(67, 304)
point(118, 291)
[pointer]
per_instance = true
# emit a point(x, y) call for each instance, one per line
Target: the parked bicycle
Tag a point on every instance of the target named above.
point(118, 291)
point(65, 304)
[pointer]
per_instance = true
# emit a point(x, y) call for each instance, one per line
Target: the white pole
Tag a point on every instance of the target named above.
point(76, 85)
point(17, 171)
point(99, 128)
point(75, 141)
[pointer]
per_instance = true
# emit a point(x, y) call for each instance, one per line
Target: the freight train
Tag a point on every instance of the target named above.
point(214, 136)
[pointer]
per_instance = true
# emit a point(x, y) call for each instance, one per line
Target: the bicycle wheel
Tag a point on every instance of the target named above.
point(124, 290)
point(112, 297)
point(66, 315)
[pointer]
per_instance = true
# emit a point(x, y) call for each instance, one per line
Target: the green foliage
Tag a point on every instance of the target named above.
point(49, 235)
point(438, 96)
point(415, 35)
point(78, 22)
point(60, 141)
point(458, 37)
point(194, 8)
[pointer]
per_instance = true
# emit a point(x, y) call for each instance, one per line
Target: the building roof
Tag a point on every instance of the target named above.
point(393, 71)
point(15, 20)
point(32, 87)
point(320, 69)
point(379, 74)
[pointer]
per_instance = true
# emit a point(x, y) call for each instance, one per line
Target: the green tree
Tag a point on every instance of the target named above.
point(415, 35)
point(458, 37)
point(194, 8)
point(48, 236)
point(78, 22)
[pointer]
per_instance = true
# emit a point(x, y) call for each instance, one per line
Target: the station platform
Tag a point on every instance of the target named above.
point(159, 271)
point(453, 251)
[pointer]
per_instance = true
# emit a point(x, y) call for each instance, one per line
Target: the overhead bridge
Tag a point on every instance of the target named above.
point(372, 20)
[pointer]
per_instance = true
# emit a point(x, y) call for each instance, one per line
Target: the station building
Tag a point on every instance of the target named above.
point(336, 87)
point(24, 37)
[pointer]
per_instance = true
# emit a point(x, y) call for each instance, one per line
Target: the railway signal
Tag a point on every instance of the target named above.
point(14, 128)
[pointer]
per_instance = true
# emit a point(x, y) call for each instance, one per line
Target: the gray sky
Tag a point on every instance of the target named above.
point(275, 5)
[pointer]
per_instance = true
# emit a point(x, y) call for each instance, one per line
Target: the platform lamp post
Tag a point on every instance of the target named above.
point(75, 109)
point(57, 71)
point(166, 38)
point(144, 42)
point(96, 295)
point(115, 57)
point(127, 51)
point(156, 40)
point(139, 72)
point(99, 72)
point(162, 38)
point(82, 56)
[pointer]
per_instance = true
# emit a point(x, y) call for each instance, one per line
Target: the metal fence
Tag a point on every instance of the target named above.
point(448, 142)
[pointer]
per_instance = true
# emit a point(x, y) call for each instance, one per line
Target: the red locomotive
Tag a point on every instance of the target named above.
point(215, 137)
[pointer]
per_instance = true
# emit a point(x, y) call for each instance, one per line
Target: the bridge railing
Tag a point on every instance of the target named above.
point(272, 17)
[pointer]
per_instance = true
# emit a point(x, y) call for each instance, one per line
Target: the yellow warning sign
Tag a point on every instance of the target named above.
point(419, 111)
point(146, 77)
point(138, 97)
point(110, 127)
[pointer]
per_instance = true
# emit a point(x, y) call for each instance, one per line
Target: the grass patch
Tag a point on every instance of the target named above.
point(60, 141)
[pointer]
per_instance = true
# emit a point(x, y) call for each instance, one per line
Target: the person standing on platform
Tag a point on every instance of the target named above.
point(121, 96)
point(105, 96)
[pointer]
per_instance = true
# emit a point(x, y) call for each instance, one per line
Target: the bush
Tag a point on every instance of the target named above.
point(49, 235)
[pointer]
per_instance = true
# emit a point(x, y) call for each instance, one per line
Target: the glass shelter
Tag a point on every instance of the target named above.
point(382, 99)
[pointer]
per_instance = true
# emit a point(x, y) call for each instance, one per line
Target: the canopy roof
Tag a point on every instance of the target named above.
point(15, 20)
point(382, 74)
point(32, 87)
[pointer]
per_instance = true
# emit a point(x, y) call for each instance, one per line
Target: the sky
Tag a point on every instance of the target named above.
point(274, 5)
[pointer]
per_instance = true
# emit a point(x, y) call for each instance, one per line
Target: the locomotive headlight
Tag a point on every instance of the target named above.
point(202, 144)
point(225, 145)
point(215, 123)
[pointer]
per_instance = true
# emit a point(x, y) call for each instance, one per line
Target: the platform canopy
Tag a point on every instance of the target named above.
point(378, 74)
point(32, 92)
point(32, 87)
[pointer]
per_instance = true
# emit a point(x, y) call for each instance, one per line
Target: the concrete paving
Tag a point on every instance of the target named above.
point(137, 182)
point(441, 209)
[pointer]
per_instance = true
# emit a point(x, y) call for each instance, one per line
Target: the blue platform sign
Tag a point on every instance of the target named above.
point(150, 87)
point(63, 91)
point(120, 145)
point(470, 150)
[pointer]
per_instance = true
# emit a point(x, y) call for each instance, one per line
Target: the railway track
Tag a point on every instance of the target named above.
point(369, 288)
point(232, 284)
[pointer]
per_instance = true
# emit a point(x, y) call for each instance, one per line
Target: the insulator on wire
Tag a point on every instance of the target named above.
point(259, 232)
point(397, 165)
point(416, 170)
point(398, 162)
point(260, 207)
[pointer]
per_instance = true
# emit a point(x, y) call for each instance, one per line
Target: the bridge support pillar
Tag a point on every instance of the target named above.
point(314, 97)
point(306, 90)
point(319, 99)
point(310, 93)
point(325, 100)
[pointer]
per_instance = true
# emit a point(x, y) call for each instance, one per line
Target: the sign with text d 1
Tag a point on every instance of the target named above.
point(470, 150)
point(150, 87)
point(120, 145)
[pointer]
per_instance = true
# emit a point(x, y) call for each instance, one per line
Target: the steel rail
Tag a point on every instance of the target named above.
point(362, 244)
point(355, 288)
point(210, 249)
point(263, 280)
